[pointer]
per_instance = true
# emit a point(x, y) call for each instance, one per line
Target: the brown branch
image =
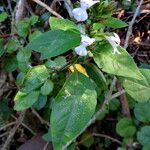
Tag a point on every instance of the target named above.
point(13, 131)
point(107, 137)
point(20, 10)
point(129, 32)
point(48, 8)
point(124, 102)
point(40, 118)
point(7, 125)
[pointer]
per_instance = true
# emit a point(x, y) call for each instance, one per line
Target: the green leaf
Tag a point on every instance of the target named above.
point(47, 137)
point(3, 16)
point(125, 128)
point(23, 27)
point(12, 45)
point(60, 61)
point(114, 104)
point(47, 88)
point(5, 110)
point(10, 64)
point(35, 77)
point(114, 23)
point(139, 89)
point(87, 140)
point(143, 136)
point(55, 42)
point(34, 19)
point(34, 35)
point(94, 72)
point(24, 100)
point(116, 64)
point(63, 24)
point(1, 47)
point(40, 103)
point(50, 64)
point(72, 109)
point(142, 112)
point(23, 66)
point(24, 55)
point(121, 148)
point(20, 78)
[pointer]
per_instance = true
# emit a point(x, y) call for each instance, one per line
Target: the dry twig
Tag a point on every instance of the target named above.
point(20, 10)
point(48, 8)
point(7, 125)
point(13, 131)
point(69, 7)
point(40, 118)
point(129, 32)
point(107, 137)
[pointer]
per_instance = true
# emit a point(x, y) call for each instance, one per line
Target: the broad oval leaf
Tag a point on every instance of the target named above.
point(55, 42)
point(116, 64)
point(125, 128)
point(143, 136)
point(95, 73)
point(139, 89)
point(47, 88)
point(142, 112)
point(114, 23)
point(25, 100)
point(72, 109)
point(63, 24)
point(35, 77)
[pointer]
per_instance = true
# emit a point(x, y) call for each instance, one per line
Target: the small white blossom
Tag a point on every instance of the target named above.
point(87, 41)
point(116, 38)
point(114, 41)
point(85, 4)
point(81, 50)
point(80, 14)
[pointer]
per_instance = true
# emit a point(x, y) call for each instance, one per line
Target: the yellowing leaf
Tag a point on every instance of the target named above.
point(78, 67)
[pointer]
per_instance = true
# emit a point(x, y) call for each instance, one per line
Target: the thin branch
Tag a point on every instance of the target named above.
point(98, 113)
point(28, 128)
point(4, 134)
point(46, 146)
point(40, 118)
point(48, 8)
point(129, 32)
point(7, 125)
point(118, 94)
point(69, 7)
point(20, 10)
point(107, 137)
point(13, 131)
point(25, 126)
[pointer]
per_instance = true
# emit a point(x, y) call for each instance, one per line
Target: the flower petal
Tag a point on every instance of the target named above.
point(87, 41)
point(80, 14)
point(113, 44)
point(116, 38)
point(81, 50)
point(85, 4)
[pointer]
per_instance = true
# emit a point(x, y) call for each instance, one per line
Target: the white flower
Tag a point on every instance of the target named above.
point(81, 50)
point(116, 38)
point(80, 14)
point(114, 41)
point(87, 41)
point(85, 4)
